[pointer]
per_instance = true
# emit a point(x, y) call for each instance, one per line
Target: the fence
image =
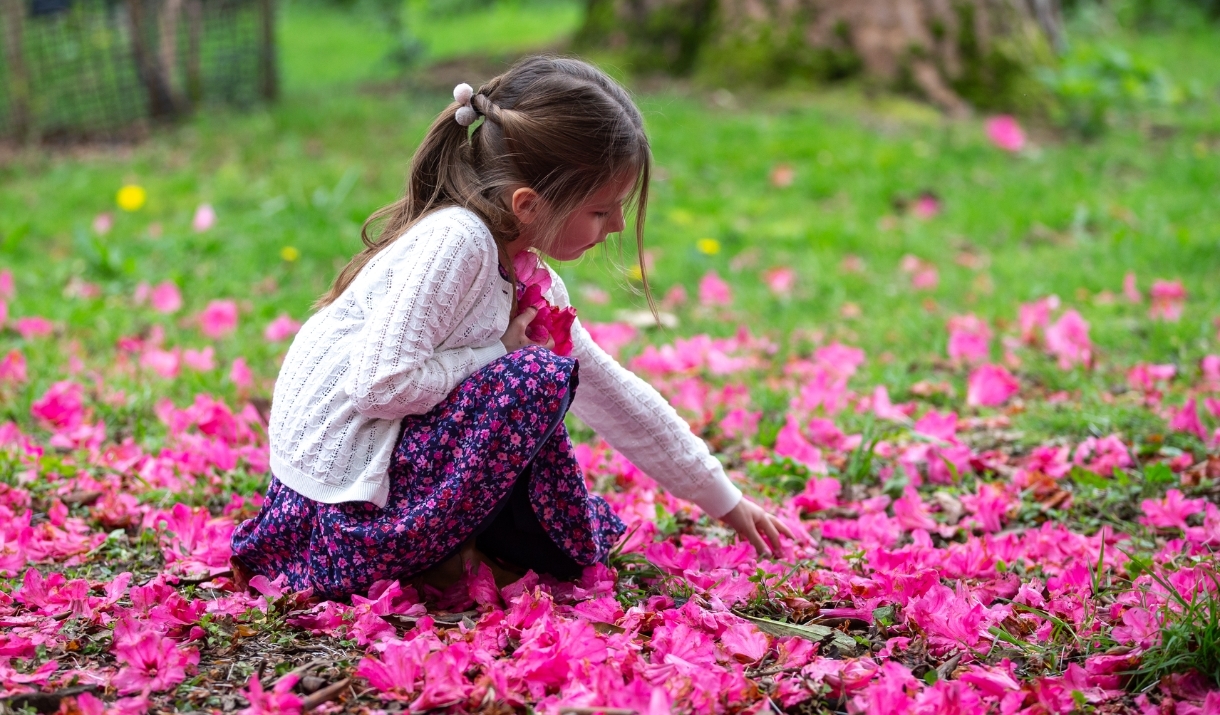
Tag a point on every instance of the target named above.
point(95, 68)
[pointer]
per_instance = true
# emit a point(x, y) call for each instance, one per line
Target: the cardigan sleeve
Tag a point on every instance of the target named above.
point(412, 307)
point(638, 422)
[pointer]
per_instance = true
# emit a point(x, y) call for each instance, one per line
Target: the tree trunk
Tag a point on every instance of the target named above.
point(12, 14)
point(956, 53)
point(167, 53)
point(153, 76)
point(268, 74)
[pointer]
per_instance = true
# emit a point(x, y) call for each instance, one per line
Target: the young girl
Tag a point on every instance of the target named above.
point(417, 422)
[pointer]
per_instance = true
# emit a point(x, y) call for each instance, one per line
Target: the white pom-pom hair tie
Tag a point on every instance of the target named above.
point(465, 115)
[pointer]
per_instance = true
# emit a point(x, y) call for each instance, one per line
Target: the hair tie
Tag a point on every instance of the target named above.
point(465, 115)
point(483, 105)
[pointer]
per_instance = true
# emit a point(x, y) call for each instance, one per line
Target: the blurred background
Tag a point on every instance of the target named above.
point(91, 68)
point(854, 170)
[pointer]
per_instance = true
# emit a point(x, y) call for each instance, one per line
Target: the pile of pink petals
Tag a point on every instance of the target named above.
point(960, 589)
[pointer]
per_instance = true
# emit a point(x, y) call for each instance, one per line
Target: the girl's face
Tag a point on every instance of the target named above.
point(592, 221)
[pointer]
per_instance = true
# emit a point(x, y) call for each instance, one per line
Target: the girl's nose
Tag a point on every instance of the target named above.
point(617, 222)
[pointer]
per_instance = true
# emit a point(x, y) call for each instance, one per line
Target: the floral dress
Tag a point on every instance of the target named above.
point(492, 461)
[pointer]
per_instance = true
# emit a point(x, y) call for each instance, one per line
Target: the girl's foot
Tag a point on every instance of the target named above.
point(241, 574)
point(503, 572)
point(440, 576)
point(450, 571)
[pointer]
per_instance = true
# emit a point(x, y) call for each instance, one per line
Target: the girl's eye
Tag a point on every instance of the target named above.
point(601, 214)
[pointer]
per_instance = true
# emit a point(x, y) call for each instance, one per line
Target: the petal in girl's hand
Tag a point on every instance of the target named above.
point(561, 329)
point(537, 330)
point(554, 324)
point(531, 297)
point(530, 271)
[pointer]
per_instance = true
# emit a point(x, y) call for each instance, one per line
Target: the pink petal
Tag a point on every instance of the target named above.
point(990, 386)
point(205, 218)
point(282, 328)
point(714, 291)
point(1005, 133)
point(166, 298)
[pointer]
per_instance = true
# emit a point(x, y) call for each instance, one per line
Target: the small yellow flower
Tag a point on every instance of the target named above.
point(131, 197)
point(635, 274)
point(290, 253)
point(708, 246)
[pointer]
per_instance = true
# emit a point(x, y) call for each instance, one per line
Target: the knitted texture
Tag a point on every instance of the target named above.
point(637, 421)
point(421, 317)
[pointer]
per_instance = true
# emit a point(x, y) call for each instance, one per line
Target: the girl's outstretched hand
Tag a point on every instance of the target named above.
point(751, 522)
point(515, 338)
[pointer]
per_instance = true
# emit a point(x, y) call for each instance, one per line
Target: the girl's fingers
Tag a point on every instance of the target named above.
point(752, 536)
point(526, 316)
point(772, 535)
point(783, 528)
point(750, 519)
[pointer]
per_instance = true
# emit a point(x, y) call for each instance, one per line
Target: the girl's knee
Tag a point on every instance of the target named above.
point(544, 358)
point(541, 373)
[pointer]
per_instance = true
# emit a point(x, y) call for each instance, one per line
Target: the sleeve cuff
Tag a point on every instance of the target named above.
point(719, 497)
point(486, 355)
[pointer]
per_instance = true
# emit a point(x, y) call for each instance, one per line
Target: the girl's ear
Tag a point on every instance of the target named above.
point(526, 205)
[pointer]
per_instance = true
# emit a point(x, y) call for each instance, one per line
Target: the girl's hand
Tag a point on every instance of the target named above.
point(748, 520)
point(514, 338)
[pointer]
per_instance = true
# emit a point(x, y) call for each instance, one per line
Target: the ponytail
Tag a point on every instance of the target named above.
point(559, 126)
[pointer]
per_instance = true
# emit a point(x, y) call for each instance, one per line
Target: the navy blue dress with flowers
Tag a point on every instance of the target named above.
point(452, 477)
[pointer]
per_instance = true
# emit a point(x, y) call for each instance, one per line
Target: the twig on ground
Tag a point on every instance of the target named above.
point(324, 695)
point(301, 670)
point(944, 669)
point(44, 702)
point(774, 670)
point(196, 580)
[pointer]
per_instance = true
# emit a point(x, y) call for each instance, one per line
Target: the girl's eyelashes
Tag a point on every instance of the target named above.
point(603, 214)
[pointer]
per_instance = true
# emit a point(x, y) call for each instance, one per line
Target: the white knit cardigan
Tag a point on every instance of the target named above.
point(421, 317)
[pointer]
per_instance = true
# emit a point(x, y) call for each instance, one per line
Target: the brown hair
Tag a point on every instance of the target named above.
point(557, 125)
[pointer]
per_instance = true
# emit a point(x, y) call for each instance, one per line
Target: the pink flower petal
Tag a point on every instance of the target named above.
point(1005, 133)
point(713, 291)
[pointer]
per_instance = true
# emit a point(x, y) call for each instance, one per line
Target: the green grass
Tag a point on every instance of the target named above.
point(322, 47)
point(1190, 637)
point(508, 26)
point(1067, 218)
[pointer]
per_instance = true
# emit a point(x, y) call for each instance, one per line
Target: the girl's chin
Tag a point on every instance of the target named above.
point(569, 255)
